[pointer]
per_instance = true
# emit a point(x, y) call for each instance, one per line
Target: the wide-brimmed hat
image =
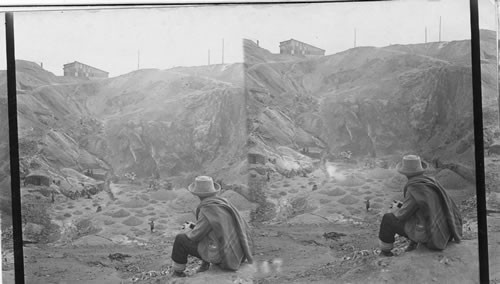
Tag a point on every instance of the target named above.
point(204, 186)
point(411, 165)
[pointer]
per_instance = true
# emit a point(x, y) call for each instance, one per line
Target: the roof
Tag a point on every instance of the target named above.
point(286, 41)
point(38, 173)
point(74, 62)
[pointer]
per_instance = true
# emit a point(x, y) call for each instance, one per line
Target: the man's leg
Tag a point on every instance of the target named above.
point(183, 247)
point(389, 227)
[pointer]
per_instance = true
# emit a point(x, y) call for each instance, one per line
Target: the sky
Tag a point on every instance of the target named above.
point(121, 40)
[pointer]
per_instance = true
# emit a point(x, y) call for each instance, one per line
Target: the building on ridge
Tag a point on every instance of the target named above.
point(295, 47)
point(80, 70)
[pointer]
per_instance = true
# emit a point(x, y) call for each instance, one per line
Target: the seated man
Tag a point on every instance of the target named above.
point(427, 215)
point(220, 236)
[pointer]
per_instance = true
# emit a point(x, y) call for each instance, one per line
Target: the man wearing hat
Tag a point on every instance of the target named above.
point(220, 236)
point(427, 215)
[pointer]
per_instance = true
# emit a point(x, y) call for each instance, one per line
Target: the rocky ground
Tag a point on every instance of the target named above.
point(320, 236)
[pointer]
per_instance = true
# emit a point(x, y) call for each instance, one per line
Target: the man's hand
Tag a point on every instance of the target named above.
point(396, 204)
point(188, 226)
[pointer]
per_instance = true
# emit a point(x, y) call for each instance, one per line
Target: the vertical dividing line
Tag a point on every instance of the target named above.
point(14, 153)
point(478, 142)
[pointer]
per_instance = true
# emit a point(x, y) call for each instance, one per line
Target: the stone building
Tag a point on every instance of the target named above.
point(295, 47)
point(80, 70)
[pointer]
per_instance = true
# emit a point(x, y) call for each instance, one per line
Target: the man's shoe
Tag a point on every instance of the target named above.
point(179, 274)
point(203, 267)
point(386, 253)
point(412, 246)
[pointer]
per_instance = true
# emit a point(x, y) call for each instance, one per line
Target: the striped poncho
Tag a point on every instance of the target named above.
point(442, 218)
point(231, 231)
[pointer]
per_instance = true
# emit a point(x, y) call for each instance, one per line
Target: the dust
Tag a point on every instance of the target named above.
point(332, 172)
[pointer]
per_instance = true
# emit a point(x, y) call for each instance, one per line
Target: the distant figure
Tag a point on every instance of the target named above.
point(427, 215)
point(268, 176)
point(315, 187)
point(367, 202)
point(52, 197)
point(99, 209)
point(152, 226)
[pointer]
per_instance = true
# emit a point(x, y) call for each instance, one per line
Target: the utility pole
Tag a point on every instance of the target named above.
point(439, 28)
point(138, 58)
point(209, 57)
point(354, 37)
point(222, 51)
point(425, 34)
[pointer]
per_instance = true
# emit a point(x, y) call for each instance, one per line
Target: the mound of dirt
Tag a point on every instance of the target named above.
point(351, 180)
point(240, 202)
point(120, 213)
point(307, 218)
point(333, 192)
point(132, 221)
point(163, 194)
point(186, 200)
point(451, 180)
point(396, 182)
point(379, 173)
point(135, 203)
point(348, 200)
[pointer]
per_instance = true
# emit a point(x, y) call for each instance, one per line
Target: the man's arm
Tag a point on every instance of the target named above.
point(407, 209)
point(201, 229)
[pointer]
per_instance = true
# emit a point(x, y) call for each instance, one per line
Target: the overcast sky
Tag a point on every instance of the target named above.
point(166, 37)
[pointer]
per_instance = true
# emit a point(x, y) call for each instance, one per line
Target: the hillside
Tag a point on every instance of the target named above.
point(367, 99)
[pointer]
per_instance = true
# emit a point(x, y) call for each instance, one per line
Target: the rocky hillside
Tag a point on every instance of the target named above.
point(372, 101)
point(170, 124)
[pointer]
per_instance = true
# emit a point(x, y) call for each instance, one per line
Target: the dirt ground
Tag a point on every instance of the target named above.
point(321, 236)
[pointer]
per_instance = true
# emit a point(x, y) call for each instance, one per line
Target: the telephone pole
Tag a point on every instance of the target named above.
point(222, 51)
point(425, 34)
point(439, 28)
point(138, 58)
point(354, 37)
point(209, 57)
